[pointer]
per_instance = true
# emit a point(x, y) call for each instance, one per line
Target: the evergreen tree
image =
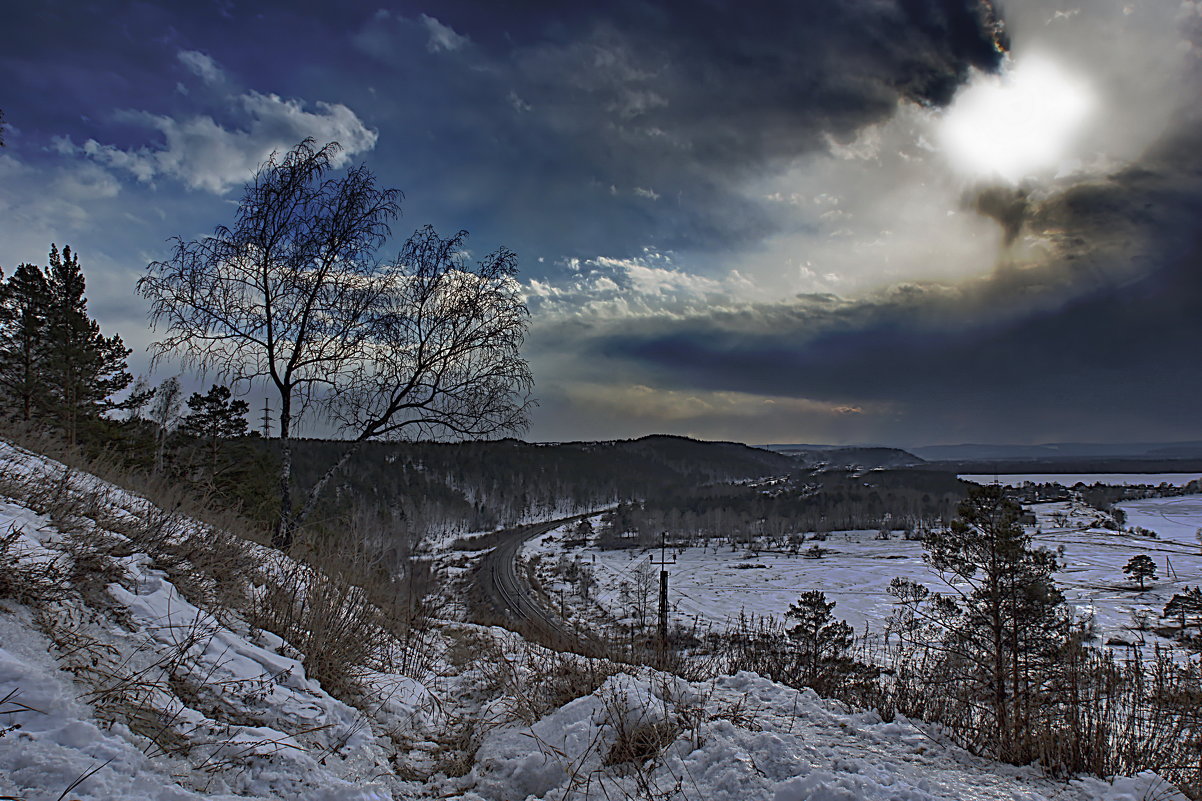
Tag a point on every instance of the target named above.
point(1005, 624)
point(215, 417)
point(23, 303)
point(1140, 568)
point(83, 368)
point(821, 644)
point(1184, 605)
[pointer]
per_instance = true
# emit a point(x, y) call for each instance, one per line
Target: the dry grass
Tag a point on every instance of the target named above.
point(26, 581)
point(637, 743)
point(341, 608)
point(329, 620)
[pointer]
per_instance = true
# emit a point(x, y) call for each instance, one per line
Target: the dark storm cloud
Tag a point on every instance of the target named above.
point(634, 125)
point(595, 131)
point(1098, 342)
point(1007, 205)
point(560, 129)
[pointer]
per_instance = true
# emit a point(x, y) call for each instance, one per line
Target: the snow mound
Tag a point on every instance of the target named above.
point(744, 737)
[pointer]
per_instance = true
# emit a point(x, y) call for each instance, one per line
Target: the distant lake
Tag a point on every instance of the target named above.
point(1069, 479)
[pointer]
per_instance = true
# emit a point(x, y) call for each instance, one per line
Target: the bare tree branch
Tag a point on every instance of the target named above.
point(293, 296)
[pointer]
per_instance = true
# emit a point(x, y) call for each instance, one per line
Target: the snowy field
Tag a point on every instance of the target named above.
point(1093, 559)
point(1069, 479)
point(713, 586)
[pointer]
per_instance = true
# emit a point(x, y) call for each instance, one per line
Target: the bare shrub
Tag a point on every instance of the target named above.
point(639, 741)
point(457, 747)
point(328, 619)
point(1098, 713)
point(537, 680)
point(35, 582)
point(93, 566)
point(764, 645)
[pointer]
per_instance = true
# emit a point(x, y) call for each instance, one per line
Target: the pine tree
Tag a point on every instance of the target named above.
point(1140, 568)
point(1184, 605)
point(215, 417)
point(83, 368)
point(1005, 624)
point(821, 644)
point(23, 303)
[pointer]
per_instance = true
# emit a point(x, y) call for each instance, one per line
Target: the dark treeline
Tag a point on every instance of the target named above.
point(809, 502)
point(473, 486)
point(1068, 466)
point(1098, 495)
point(65, 384)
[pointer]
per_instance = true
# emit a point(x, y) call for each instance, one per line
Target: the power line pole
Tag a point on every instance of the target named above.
point(663, 591)
point(266, 418)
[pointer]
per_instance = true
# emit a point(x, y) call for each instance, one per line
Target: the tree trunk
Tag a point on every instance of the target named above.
point(285, 528)
point(315, 493)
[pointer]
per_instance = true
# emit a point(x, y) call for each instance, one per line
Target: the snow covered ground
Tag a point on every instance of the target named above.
point(743, 737)
point(115, 686)
point(1093, 559)
point(713, 586)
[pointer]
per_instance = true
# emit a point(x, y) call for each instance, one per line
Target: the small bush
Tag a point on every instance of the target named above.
point(26, 580)
point(331, 621)
point(640, 742)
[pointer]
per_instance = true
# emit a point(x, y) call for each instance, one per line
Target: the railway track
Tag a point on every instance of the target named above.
point(508, 597)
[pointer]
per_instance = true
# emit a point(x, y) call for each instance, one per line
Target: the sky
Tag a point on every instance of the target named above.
point(902, 222)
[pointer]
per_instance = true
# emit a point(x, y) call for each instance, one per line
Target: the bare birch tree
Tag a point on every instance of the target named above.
point(292, 295)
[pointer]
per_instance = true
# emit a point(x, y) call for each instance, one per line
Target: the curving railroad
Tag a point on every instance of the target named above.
point(507, 597)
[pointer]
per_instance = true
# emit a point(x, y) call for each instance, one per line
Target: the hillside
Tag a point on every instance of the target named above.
point(470, 486)
point(861, 458)
point(142, 657)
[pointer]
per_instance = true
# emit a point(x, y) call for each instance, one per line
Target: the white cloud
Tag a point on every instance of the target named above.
point(205, 155)
point(86, 182)
point(606, 288)
point(442, 37)
point(202, 65)
point(518, 103)
point(59, 203)
point(650, 194)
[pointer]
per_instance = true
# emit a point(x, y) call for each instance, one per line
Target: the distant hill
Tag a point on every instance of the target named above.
point(803, 446)
point(729, 459)
point(863, 458)
point(476, 485)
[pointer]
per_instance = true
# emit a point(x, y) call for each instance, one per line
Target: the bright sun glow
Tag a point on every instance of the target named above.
point(1018, 123)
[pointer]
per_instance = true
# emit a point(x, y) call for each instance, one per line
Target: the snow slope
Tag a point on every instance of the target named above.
point(132, 691)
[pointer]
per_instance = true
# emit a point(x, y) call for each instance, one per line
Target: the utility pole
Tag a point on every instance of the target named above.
point(266, 419)
point(663, 591)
